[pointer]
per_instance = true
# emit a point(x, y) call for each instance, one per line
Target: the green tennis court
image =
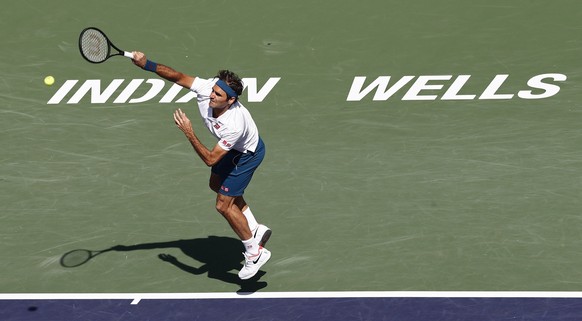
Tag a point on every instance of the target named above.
point(454, 165)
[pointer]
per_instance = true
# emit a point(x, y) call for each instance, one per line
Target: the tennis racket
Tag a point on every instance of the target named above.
point(79, 257)
point(95, 47)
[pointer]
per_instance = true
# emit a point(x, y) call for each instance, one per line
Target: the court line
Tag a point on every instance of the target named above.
point(137, 297)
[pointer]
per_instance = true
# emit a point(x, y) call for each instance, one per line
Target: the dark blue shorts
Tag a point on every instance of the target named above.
point(236, 170)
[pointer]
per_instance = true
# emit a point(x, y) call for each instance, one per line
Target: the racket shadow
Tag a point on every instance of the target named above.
point(220, 258)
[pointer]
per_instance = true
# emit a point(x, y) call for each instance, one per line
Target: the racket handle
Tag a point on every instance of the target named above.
point(128, 54)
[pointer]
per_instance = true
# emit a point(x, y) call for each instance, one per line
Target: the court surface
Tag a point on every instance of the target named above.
point(412, 147)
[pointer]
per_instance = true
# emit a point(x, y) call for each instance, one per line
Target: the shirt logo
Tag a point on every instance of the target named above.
point(217, 126)
point(227, 144)
point(224, 188)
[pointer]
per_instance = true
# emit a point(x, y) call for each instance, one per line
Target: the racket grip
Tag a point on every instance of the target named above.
point(128, 54)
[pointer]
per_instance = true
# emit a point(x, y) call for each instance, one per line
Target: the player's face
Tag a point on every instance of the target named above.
point(219, 99)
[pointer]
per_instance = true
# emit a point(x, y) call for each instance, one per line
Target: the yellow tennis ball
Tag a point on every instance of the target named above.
point(49, 80)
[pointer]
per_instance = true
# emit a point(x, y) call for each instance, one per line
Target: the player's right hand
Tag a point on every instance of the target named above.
point(139, 59)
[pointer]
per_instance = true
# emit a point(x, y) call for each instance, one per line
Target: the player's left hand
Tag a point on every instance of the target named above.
point(183, 122)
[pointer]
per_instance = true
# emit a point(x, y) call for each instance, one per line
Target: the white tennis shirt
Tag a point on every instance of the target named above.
point(235, 128)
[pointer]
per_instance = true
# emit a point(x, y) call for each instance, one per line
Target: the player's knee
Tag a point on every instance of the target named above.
point(222, 206)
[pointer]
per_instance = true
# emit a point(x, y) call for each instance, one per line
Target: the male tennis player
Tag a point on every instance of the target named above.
point(235, 157)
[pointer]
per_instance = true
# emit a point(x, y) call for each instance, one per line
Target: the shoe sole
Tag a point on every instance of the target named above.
point(265, 238)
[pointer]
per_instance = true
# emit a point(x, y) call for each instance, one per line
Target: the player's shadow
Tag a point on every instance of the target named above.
point(220, 257)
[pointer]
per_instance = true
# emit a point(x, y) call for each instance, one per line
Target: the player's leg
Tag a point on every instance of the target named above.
point(230, 177)
point(255, 255)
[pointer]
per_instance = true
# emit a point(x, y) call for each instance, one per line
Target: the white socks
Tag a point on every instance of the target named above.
point(251, 246)
point(253, 225)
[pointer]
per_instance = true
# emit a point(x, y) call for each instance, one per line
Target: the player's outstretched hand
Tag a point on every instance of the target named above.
point(167, 258)
point(139, 59)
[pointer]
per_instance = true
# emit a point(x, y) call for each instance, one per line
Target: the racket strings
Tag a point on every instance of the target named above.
point(76, 258)
point(94, 45)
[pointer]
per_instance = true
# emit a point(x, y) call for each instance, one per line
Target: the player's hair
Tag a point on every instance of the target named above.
point(232, 80)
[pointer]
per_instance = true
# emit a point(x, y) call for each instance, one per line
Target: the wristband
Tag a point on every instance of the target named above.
point(150, 66)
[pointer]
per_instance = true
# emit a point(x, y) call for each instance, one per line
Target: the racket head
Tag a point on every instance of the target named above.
point(76, 258)
point(94, 45)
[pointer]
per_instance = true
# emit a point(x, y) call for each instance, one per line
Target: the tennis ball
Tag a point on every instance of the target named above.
point(49, 80)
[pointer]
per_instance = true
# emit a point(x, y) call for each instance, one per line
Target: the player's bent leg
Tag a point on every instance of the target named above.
point(253, 262)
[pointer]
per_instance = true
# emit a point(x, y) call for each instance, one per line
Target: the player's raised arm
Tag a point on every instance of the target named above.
point(140, 60)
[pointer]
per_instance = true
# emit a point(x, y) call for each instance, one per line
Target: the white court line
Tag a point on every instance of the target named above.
point(137, 297)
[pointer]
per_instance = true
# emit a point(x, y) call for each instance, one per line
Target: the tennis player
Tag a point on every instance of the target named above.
point(235, 157)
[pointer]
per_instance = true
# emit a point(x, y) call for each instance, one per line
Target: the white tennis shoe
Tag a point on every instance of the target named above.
point(253, 263)
point(262, 234)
